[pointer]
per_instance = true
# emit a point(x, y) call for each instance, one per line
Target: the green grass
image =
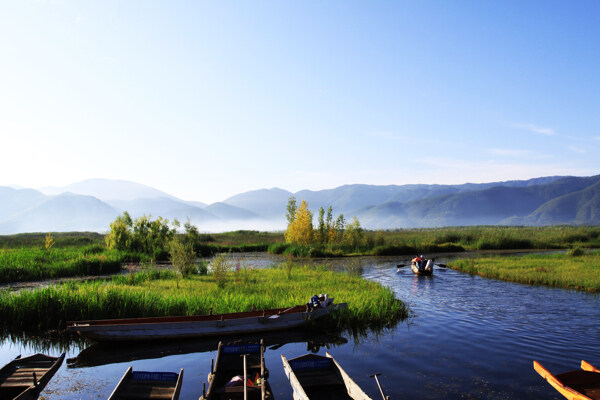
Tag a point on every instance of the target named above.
point(61, 239)
point(497, 237)
point(557, 270)
point(161, 294)
point(36, 263)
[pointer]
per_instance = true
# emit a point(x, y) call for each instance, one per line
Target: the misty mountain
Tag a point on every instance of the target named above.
point(164, 207)
point(349, 199)
point(228, 212)
point(269, 203)
point(496, 205)
point(108, 189)
point(13, 201)
point(539, 201)
point(580, 207)
point(64, 212)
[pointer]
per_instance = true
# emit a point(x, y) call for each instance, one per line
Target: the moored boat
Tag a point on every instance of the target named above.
point(580, 384)
point(313, 376)
point(148, 385)
point(24, 378)
point(239, 373)
point(201, 325)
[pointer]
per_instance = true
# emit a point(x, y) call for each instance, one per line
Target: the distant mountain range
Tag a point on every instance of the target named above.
point(92, 204)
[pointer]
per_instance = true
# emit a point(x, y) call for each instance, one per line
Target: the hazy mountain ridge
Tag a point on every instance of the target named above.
point(538, 201)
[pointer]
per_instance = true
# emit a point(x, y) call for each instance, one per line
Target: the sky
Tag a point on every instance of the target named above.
point(208, 99)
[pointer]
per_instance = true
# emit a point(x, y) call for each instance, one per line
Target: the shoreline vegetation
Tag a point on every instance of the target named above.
point(38, 256)
point(571, 270)
point(163, 293)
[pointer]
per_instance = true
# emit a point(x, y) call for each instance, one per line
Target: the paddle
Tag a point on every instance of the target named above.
point(401, 265)
point(379, 385)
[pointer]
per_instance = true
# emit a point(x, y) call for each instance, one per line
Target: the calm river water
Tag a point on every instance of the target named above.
point(470, 338)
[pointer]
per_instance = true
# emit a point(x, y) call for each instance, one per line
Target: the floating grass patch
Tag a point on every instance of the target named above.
point(50, 308)
point(557, 270)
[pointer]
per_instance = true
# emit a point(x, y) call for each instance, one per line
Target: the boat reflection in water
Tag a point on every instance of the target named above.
point(111, 353)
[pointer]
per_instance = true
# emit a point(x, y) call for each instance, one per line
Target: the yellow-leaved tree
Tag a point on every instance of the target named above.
point(300, 228)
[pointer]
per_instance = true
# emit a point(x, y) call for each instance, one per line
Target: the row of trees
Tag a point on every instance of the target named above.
point(300, 228)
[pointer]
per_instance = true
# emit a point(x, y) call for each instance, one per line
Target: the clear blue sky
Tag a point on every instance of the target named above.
point(207, 99)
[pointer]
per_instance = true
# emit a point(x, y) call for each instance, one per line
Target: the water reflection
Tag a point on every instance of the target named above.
point(112, 353)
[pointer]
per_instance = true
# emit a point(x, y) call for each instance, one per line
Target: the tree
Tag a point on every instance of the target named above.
point(320, 236)
point(120, 235)
point(182, 257)
point(354, 234)
point(291, 210)
point(340, 223)
point(300, 230)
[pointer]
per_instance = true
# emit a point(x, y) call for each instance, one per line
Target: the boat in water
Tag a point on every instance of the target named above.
point(239, 373)
point(579, 384)
point(313, 376)
point(159, 328)
point(24, 378)
point(148, 385)
point(422, 266)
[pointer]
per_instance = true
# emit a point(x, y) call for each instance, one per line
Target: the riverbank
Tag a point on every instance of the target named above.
point(556, 270)
point(162, 293)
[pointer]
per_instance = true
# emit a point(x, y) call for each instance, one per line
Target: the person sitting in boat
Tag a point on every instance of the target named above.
point(419, 261)
point(318, 301)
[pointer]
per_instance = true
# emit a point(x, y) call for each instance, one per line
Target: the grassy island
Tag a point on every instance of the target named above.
point(162, 293)
point(580, 272)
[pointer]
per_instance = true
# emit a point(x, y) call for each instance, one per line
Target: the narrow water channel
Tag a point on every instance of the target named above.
point(470, 338)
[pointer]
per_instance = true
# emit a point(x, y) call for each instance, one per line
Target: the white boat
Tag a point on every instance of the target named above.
point(316, 377)
point(157, 328)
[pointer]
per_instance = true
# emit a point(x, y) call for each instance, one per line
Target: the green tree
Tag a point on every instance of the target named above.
point(291, 210)
point(120, 235)
point(354, 234)
point(321, 232)
point(340, 223)
point(182, 257)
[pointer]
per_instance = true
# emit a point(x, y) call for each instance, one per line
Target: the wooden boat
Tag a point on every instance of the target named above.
point(316, 377)
point(424, 267)
point(239, 368)
point(583, 384)
point(200, 325)
point(148, 385)
point(24, 378)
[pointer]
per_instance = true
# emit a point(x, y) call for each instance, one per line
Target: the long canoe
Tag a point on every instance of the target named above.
point(24, 378)
point(580, 384)
point(233, 373)
point(158, 328)
point(148, 385)
point(316, 377)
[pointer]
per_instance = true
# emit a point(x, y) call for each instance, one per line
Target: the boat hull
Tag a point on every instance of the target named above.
point(581, 384)
point(148, 385)
point(24, 378)
point(418, 271)
point(313, 376)
point(196, 327)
